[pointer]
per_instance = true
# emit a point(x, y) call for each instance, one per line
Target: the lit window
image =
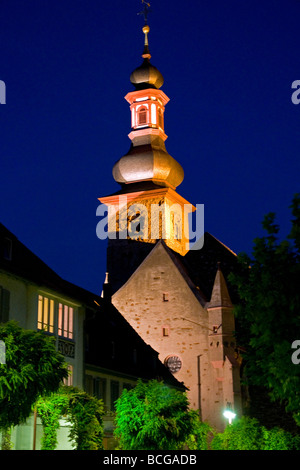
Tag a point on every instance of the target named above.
point(142, 116)
point(144, 98)
point(153, 113)
point(160, 119)
point(65, 321)
point(132, 118)
point(45, 314)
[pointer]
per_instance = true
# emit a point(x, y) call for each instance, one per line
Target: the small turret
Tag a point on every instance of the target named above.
point(220, 295)
point(106, 291)
point(147, 159)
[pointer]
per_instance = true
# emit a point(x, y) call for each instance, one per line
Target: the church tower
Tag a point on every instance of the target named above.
point(148, 208)
point(173, 296)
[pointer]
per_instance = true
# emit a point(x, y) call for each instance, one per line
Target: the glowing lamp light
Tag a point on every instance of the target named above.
point(228, 413)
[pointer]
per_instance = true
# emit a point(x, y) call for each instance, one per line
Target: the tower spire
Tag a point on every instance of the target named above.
point(148, 174)
point(220, 296)
point(146, 53)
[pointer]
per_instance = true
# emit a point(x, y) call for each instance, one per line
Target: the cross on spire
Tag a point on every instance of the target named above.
point(145, 11)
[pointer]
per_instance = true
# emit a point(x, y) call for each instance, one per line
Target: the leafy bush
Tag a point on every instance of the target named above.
point(201, 433)
point(85, 413)
point(33, 368)
point(278, 439)
point(152, 416)
point(247, 434)
point(50, 409)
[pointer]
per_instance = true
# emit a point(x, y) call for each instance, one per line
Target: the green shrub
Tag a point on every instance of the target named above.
point(152, 416)
point(243, 434)
point(50, 409)
point(85, 413)
point(201, 433)
point(248, 434)
point(278, 439)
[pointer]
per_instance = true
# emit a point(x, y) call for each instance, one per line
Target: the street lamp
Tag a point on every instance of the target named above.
point(228, 413)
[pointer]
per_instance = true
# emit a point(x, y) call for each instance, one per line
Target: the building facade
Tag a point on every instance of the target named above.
point(38, 299)
point(104, 354)
point(116, 357)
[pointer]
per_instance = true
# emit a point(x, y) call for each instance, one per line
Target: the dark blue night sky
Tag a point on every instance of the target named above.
point(228, 68)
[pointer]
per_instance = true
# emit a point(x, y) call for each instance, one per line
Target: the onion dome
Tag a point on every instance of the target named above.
point(147, 159)
point(146, 75)
point(150, 162)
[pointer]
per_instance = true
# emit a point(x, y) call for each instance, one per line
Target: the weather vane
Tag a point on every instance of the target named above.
point(145, 11)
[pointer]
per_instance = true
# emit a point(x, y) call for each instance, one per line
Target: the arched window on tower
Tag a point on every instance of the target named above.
point(142, 116)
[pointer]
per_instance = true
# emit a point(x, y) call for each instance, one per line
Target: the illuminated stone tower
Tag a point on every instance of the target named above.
point(173, 295)
point(148, 208)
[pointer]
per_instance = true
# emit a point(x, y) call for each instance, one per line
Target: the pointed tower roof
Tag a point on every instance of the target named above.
point(146, 75)
point(147, 159)
point(220, 296)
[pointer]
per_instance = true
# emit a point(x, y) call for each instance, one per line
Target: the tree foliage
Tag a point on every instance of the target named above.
point(84, 411)
point(86, 415)
point(201, 433)
point(152, 416)
point(248, 434)
point(50, 409)
point(33, 367)
point(268, 313)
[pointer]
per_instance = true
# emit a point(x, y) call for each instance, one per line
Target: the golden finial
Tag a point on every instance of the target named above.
point(146, 29)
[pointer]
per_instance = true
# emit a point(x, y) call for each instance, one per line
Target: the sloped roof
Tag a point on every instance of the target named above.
point(28, 266)
point(199, 267)
point(103, 323)
point(219, 296)
point(202, 265)
point(107, 325)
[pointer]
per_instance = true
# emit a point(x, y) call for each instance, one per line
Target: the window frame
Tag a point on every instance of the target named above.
point(65, 321)
point(46, 314)
point(142, 112)
point(58, 319)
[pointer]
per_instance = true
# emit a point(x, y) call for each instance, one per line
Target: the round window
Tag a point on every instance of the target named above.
point(173, 363)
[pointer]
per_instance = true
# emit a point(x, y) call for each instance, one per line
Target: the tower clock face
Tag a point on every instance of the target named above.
point(173, 363)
